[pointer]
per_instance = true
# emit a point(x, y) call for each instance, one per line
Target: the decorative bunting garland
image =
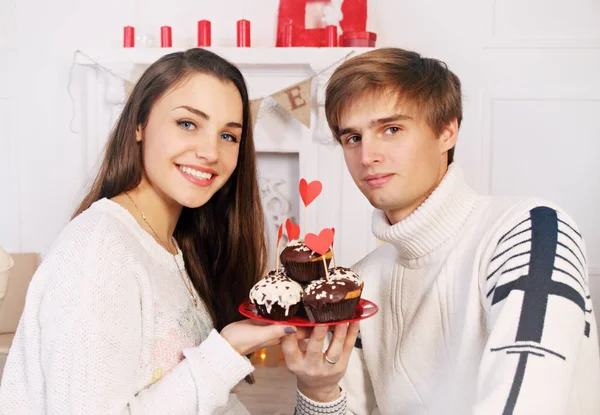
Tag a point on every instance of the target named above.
point(295, 99)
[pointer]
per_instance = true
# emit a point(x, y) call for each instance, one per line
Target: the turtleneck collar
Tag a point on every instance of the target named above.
point(433, 226)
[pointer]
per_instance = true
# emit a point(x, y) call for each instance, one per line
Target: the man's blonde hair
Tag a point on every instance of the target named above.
point(426, 83)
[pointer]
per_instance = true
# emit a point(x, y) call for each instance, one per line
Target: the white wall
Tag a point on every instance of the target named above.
point(529, 69)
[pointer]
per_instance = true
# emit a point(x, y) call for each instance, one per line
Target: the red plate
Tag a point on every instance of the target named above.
point(364, 309)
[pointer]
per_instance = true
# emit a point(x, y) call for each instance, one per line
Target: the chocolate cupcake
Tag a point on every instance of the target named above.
point(333, 299)
point(303, 264)
point(276, 297)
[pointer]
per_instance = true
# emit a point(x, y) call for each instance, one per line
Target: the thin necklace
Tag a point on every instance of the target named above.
point(186, 281)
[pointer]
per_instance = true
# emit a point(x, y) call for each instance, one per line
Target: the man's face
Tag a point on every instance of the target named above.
point(392, 154)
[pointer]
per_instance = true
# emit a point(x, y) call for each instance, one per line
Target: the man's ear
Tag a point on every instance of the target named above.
point(138, 134)
point(449, 135)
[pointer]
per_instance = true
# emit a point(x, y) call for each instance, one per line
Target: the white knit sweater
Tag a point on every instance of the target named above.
point(484, 308)
point(109, 328)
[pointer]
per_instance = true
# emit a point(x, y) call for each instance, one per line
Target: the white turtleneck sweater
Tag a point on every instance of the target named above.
point(109, 328)
point(484, 308)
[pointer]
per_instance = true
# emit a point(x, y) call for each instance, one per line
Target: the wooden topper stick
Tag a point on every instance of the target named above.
point(325, 265)
point(279, 233)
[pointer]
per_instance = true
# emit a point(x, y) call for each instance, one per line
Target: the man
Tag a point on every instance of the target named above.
point(484, 305)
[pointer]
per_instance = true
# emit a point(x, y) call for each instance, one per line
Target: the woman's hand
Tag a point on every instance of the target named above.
point(248, 336)
point(319, 373)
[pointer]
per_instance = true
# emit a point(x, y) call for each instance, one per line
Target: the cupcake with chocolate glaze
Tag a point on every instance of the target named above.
point(333, 299)
point(276, 296)
point(302, 263)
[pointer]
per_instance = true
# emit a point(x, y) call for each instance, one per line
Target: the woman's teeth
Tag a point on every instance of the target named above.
point(199, 174)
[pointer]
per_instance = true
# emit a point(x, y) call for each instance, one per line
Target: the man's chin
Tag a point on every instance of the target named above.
point(378, 203)
point(384, 205)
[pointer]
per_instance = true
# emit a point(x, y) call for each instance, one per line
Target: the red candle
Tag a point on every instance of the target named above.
point(128, 37)
point(358, 39)
point(332, 37)
point(288, 35)
point(204, 33)
point(243, 33)
point(165, 37)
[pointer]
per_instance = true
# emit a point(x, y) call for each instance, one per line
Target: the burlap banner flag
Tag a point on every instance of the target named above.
point(296, 100)
point(254, 107)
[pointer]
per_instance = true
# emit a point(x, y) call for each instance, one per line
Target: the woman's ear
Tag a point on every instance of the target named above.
point(138, 134)
point(447, 139)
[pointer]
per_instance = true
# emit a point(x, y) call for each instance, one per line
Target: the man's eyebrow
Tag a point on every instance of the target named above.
point(392, 118)
point(379, 121)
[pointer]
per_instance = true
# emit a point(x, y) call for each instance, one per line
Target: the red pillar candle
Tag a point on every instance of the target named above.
point(165, 37)
point(204, 33)
point(288, 34)
point(128, 37)
point(358, 39)
point(243, 33)
point(332, 37)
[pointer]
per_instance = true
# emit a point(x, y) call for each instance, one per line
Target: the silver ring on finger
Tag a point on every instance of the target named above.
point(331, 362)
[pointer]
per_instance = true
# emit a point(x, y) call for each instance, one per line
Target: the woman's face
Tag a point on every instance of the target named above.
point(191, 141)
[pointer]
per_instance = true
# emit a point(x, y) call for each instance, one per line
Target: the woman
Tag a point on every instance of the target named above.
point(134, 309)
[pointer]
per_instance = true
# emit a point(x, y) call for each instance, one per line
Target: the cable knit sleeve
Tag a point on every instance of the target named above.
point(535, 290)
point(357, 397)
point(88, 334)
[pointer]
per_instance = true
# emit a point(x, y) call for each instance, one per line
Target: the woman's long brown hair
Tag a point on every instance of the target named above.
point(223, 241)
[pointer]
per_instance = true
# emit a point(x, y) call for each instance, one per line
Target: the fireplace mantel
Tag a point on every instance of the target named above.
point(315, 58)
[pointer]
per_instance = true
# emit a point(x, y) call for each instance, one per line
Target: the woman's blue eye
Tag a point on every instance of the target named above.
point(229, 137)
point(186, 125)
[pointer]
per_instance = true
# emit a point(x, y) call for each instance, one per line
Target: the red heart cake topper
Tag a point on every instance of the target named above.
point(320, 243)
point(309, 191)
point(279, 233)
point(292, 229)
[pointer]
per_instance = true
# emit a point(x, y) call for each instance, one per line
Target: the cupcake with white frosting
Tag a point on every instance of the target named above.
point(276, 296)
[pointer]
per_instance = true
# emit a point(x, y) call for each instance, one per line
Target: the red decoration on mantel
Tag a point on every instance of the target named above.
point(332, 36)
point(243, 33)
point(288, 34)
point(128, 37)
point(358, 39)
point(293, 12)
point(204, 33)
point(166, 40)
point(355, 16)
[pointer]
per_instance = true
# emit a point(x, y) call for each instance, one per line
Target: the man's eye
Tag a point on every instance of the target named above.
point(391, 130)
point(353, 139)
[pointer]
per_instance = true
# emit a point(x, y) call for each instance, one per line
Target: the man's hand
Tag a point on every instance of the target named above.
point(319, 373)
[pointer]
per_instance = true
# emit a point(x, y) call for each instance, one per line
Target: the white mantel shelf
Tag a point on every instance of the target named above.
point(317, 58)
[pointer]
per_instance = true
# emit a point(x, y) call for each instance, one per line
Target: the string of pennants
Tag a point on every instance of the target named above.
point(295, 99)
